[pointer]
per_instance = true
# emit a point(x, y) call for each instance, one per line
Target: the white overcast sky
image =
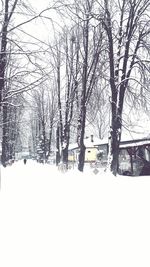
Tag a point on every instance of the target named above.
point(43, 27)
point(39, 4)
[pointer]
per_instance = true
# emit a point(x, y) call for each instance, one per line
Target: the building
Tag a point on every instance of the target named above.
point(134, 155)
point(93, 147)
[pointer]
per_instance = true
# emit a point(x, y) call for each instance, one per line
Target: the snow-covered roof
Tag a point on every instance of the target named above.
point(135, 143)
point(96, 141)
point(73, 146)
point(90, 142)
point(125, 142)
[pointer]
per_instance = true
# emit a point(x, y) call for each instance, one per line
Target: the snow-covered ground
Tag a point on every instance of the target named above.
point(49, 219)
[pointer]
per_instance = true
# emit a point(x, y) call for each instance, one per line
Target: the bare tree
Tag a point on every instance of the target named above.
point(71, 53)
point(89, 56)
point(13, 49)
point(40, 111)
point(8, 12)
point(127, 28)
point(64, 57)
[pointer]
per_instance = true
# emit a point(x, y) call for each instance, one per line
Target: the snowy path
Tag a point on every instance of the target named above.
point(49, 219)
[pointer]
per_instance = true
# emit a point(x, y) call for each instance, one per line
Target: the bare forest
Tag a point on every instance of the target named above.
point(69, 69)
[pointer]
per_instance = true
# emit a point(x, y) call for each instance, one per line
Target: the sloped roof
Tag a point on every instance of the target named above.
point(137, 142)
point(125, 142)
point(88, 142)
point(96, 141)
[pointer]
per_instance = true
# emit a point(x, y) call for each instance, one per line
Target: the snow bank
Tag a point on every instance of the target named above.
point(49, 218)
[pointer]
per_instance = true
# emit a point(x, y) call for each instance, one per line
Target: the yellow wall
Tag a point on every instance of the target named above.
point(90, 154)
point(71, 155)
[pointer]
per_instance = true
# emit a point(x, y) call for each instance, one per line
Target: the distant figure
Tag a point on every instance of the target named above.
point(25, 161)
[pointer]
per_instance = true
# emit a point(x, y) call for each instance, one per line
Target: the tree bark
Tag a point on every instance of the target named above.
point(5, 138)
point(57, 145)
point(80, 138)
point(3, 50)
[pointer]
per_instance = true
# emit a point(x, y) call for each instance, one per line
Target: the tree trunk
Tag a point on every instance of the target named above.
point(81, 157)
point(44, 140)
point(3, 50)
point(82, 118)
point(65, 156)
point(50, 139)
point(115, 136)
point(80, 138)
point(5, 138)
point(57, 146)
